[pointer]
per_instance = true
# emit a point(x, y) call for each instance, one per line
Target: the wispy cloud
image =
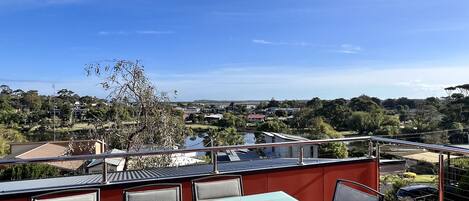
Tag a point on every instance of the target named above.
point(344, 48)
point(349, 49)
point(138, 32)
point(38, 3)
point(441, 28)
point(234, 13)
point(283, 82)
point(27, 81)
point(106, 33)
point(422, 85)
point(61, 1)
point(266, 42)
point(151, 32)
point(306, 82)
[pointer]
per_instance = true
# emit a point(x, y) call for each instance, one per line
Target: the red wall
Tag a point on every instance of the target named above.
point(306, 183)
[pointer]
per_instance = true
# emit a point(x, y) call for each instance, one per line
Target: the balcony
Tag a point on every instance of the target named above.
point(302, 178)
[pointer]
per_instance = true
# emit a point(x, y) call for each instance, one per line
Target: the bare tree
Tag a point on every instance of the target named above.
point(153, 125)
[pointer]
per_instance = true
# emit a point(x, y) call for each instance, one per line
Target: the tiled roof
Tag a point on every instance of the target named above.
point(256, 116)
point(45, 150)
point(68, 165)
point(50, 150)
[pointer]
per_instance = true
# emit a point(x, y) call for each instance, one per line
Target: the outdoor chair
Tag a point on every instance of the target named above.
point(152, 192)
point(215, 187)
point(346, 190)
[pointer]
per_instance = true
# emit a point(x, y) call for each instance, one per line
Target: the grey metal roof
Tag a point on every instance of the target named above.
point(285, 136)
point(112, 161)
point(26, 186)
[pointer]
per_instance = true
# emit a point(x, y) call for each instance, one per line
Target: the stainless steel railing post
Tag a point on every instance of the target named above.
point(301, 153)
point(104, 174)
point(441, 177)
point(215, 162)
point(377, 167)
point(370, 149)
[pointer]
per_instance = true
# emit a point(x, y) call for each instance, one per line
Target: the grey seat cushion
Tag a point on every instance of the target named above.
point(347, 193)
point(167, 194)
point(218, 189)
point(82, 197)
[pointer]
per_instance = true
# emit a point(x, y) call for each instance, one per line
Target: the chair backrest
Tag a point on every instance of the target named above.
point(220, 186)
point(89, 194)
point(154, 192)
point(346, 190)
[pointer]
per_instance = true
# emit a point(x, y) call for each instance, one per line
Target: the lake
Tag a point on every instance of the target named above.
point(191, 143)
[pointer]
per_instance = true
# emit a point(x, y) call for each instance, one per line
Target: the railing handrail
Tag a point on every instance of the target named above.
point(176, 151)
point(431, 147)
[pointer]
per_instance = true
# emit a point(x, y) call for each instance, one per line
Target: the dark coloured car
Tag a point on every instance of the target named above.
point(418, 193)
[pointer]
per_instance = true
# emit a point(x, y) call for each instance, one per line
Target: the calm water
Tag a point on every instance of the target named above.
point(191, 143)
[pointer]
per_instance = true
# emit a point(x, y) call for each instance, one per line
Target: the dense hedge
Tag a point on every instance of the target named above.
point(28, 171)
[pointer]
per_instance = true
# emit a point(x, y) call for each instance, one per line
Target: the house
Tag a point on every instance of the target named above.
point(251, 106)
point(253, 118)
point(31, 150)
point(183, 159)
point(288, 111)
point(177, 159)
point(191, 110)
point(290, 151)
point(113, 164)
point(213, 117)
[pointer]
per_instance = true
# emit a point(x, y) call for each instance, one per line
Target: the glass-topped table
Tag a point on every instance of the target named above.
point(274, 196)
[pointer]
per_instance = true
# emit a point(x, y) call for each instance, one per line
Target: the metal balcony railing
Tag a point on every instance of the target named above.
point(373, 152)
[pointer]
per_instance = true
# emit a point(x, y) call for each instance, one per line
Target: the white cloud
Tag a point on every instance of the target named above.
point(344, 48)
point(439, 27)
point(304, 83)
point(265, 42)
point(349, 49)
point(283, 82)
point(105, 33)
point(260, 41)
point(38, 3)
point(140, 32)
point(151, 32)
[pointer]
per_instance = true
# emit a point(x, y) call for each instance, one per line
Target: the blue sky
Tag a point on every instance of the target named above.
point(243, 49)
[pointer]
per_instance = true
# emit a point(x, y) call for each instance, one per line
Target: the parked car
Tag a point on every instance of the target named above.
point(418, 193)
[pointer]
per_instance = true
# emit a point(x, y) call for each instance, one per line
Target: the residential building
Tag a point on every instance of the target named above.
point(113, 164)
point(213, 117)
point(30, 150)
point(253, 118)
point(311, 151)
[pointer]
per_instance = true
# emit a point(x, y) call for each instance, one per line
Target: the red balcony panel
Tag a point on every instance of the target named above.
point(303, 184)
point(364, 173)
point(314, 182)
point(255, 183)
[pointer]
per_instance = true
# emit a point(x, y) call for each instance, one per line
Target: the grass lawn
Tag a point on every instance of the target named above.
point(200, 126)
point(345, 133)
point(425, 178)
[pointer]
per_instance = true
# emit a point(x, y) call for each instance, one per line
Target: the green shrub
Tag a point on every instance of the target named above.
point(396, 183)
point(29, 171)
point(462, 162)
